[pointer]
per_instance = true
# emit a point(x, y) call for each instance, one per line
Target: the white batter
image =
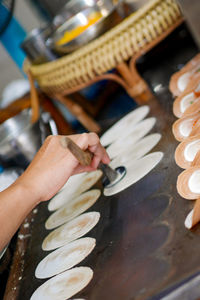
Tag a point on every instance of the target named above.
point(124, 125)
point(65, 257)
point(183, 81)
point(139, 131)
point(187, 101)
point(64, 285)
point(71, 231)
point(74, 189)
point(72, 209)
point(197, 88)
point(191, 150)
point(74, 179)
point(137, 150)
point(194, 182)
point(135, 171)
point(188, 220)
point(185, 127)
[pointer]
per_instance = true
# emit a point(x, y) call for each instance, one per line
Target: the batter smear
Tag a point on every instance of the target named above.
point(135, 171)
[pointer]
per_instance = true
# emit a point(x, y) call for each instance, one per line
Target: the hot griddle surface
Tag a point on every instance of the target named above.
point(143, 249)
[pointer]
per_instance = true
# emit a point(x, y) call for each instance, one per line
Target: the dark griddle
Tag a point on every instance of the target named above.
point(143, 249)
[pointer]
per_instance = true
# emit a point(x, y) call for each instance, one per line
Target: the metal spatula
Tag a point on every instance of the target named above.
point(85, 158)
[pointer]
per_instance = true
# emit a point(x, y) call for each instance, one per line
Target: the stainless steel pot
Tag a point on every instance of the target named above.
point(35, 46)
point(20, 140)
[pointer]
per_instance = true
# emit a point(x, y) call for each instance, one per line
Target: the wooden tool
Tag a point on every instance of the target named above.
point(196, 213)
point(34, 99)
point(85, 158)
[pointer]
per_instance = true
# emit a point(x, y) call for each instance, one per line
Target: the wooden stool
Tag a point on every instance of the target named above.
point(129, 40)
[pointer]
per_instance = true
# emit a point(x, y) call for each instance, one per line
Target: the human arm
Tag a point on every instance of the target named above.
point(47, 173)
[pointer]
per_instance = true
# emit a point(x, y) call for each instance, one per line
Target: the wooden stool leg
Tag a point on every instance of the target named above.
point(138, 89)
point(79, 113)
point(80, 99)
point(94, 107)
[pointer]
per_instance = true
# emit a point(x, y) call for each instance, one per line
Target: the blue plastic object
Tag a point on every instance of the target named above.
point(12, 38)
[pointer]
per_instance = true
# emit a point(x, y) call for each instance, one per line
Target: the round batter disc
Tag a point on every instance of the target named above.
point(73, 190)
point(127, 141)
point(73, 180)
point(135, 171)
point(64, 285)
point(124, 125)
point(72, 209)
point(71, 231)
point(65, 257)
point(136, 151)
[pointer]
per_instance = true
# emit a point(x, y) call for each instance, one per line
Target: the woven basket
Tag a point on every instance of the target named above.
point(125, 40)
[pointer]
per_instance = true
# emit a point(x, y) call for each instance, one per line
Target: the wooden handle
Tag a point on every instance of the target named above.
point(196, 213)
point(84, 157)
point(196, 161)
point(34, 99)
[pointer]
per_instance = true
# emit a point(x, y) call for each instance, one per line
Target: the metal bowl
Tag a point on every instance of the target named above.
point(72, 7)
point(20, 140)
point(110, 18)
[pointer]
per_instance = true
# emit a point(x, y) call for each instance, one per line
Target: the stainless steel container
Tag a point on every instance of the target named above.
point(20, 140)
point(35, 46)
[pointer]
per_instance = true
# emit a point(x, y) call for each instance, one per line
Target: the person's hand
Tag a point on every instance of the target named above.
point(53, 165)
